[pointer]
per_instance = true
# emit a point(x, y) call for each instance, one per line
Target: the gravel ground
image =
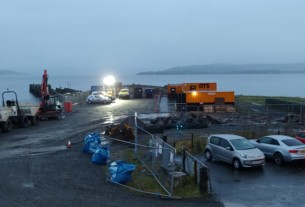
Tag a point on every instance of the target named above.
point(38, 170)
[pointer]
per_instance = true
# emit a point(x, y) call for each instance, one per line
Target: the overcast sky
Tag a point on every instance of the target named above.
point(130, 36)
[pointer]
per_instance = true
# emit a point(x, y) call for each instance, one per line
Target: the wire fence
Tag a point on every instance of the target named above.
point(194, 167)
point(206, 108)
point(79, 97)
point(154, 160)
point(159, 158)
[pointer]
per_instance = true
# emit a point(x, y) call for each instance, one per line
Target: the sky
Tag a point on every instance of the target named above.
point(84, 37)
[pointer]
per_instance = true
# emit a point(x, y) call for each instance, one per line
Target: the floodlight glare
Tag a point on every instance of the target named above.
point(109, 80)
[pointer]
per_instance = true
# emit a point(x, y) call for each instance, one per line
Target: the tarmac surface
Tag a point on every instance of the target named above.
point(38, 170)
point(272, 185)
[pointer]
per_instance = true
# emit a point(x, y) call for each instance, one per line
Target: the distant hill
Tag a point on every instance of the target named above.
point(231, 69)
point(10, 72)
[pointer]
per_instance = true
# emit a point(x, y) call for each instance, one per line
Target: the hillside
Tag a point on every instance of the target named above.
point(231, 69)
point(9, 72)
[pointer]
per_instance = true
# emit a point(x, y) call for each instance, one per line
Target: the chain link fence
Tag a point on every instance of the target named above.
point(159, 158)
point(194, 167)
point(154, 158)
point(75, 98)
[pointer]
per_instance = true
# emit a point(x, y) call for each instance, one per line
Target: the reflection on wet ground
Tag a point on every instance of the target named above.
point(272, 185)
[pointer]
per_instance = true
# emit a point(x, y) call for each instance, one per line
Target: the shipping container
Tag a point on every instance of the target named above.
point(149, 92)
point(97, 88)
point(210, 97)
point(173, 90)
point(199, 87)
point(138, 92)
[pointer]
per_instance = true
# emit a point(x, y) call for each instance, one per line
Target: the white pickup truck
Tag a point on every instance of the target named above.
point(15, 113)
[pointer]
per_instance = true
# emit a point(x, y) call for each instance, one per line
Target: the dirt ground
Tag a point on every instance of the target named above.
point(38, 170)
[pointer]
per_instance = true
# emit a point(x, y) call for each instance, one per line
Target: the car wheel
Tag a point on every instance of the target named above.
point(278, 158)
point(208, 155)
point(23, 121)
point(89, 102)
point(236, 164)
point(7, 126)
point(34, 120)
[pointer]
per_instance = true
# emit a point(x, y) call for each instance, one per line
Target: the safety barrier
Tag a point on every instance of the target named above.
point(194, 167)
point(159, 158)
point(79, 97)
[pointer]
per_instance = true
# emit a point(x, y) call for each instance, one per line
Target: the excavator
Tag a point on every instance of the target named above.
point(50, 105)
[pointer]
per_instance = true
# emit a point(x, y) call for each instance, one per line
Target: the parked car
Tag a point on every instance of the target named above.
point(124, 94)
point(281, 148)
point(112, 98)
point(98, 99)
point(235, 150)
point(104, 93)
point(301, 136)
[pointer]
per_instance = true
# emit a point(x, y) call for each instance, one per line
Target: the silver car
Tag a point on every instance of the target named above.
point(235, 150)
point(281, 148)
point(98, 99)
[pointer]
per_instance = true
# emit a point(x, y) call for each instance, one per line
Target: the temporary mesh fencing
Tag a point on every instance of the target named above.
point(193, 166)
point(154, 157)
point(159, 158)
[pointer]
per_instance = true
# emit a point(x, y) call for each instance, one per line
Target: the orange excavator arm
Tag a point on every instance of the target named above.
point(44, 91)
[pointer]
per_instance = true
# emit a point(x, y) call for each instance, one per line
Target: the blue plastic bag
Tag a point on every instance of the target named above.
point(92, 142)
point(100, 156)
point(120, 171)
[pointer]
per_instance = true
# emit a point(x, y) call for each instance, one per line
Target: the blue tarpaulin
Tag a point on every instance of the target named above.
point(120, 171)
point(100, 156)
point(92, 142)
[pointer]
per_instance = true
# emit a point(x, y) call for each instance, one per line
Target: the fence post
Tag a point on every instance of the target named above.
point(192, 139)
point(136, 134)
point(183, 159)
point(203, 182)
point(195, 171)
point(164, 138)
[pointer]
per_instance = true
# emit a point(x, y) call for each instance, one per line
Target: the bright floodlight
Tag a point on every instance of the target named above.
point(109, 80)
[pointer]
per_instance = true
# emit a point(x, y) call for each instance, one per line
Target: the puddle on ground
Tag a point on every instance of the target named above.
point(111, 119)
point(46, 150)
point(28, 185)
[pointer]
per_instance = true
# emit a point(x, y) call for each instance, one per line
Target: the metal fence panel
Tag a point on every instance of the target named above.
point(159, 158)
point(196, 168)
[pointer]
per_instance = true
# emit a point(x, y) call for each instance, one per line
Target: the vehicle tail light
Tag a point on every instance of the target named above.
point(293, 151)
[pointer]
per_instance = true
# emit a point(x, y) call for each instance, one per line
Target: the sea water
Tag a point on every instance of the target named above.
point(291, 85)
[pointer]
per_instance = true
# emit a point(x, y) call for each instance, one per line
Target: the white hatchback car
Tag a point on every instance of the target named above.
point(98, 99)
point(235, 150)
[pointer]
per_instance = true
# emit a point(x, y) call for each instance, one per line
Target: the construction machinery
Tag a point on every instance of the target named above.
point(50, 105)
point(15, 113)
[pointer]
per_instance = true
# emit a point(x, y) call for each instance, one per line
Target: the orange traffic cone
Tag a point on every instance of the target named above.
point(69, 145)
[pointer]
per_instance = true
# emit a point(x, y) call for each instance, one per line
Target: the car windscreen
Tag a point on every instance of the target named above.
point(242, 144)
point(292, 142)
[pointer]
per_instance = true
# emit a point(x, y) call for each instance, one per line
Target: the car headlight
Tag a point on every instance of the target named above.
point(243, 155)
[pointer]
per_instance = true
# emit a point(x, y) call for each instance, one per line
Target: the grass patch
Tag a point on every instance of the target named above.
point(195, 147)
point(141, 177)
point(187, 188)
point(261, 99)
point(143, 180)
